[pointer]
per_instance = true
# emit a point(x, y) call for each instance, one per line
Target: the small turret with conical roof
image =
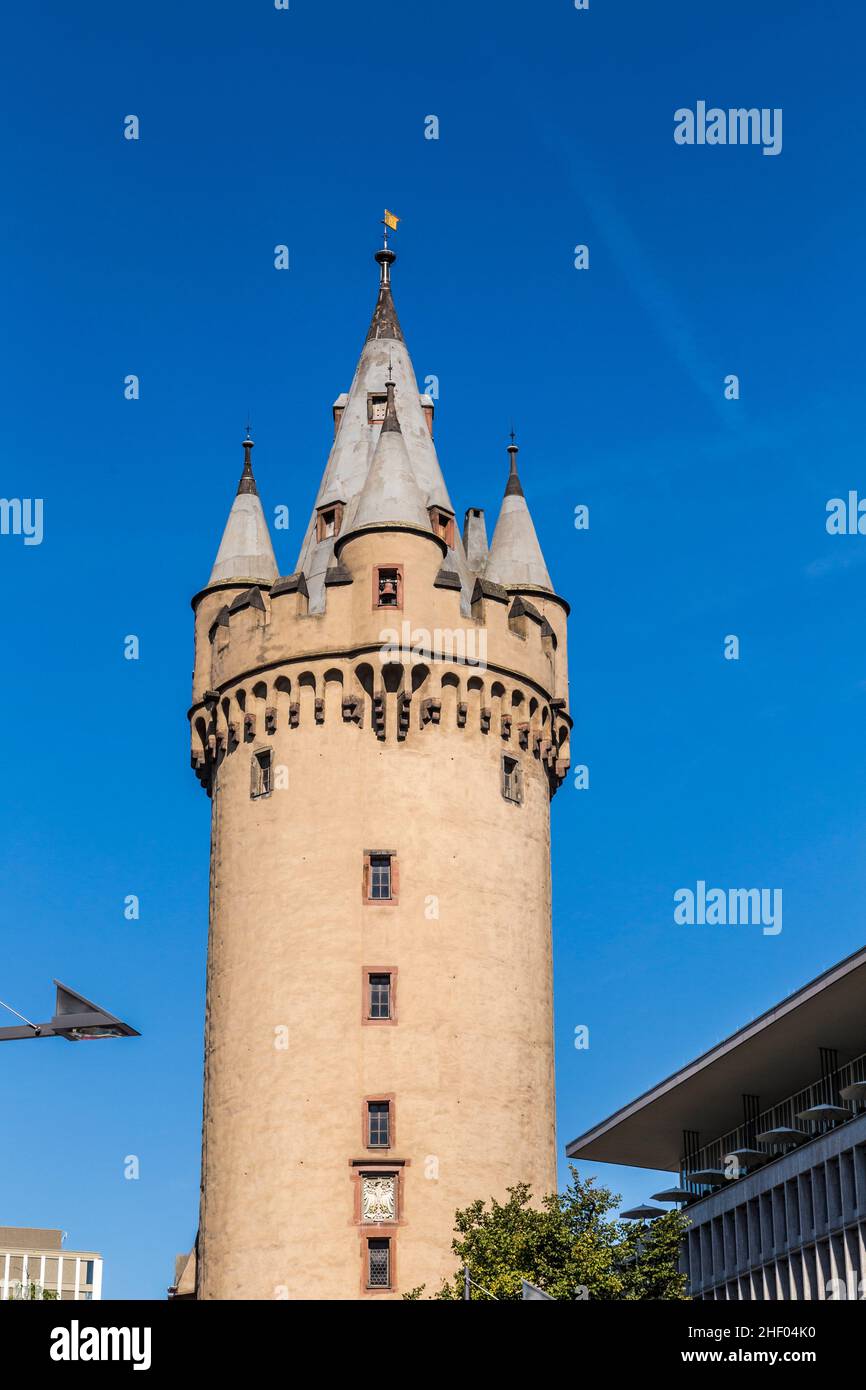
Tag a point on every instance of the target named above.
point(515, 559)
point(391, 493)
point(245, 551)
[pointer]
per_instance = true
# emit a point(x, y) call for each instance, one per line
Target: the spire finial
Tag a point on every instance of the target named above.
point(390, 421)
point(513, 485)
point(386, 257)
point(247, 482)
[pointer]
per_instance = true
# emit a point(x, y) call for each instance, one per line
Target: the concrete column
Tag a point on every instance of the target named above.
point(729, 1234)
point(718, 1246)
point(819, 1196)
point(860, 1177)
point(754, 1226)
point(792, 1212)
point(848, 1186)
point(853, 1272)
point(807, 1212)
point(780, 1232)
point(832, 1171)
point(741, 1224)
point(694, 1259)
point(809, 1273)
point(765, 1216)
point(707, 1271)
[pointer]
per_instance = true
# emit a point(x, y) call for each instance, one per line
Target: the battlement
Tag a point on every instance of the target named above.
point(394, 702)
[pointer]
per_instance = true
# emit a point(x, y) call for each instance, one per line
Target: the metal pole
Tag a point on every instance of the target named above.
point(34, 1026)
point(467, 1284)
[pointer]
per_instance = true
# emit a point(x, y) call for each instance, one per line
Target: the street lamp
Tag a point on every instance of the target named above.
point(75, 1018)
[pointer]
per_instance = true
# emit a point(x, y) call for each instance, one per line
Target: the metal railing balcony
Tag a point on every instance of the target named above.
point(839, 1096)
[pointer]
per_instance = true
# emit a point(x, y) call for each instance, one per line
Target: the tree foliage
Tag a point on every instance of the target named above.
point(569, 1246)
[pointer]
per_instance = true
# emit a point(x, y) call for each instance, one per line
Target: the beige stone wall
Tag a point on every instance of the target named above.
point(470, 1059)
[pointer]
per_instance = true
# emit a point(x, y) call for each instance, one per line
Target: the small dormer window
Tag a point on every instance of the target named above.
point(376, 407)
point(388, 586)
point(328, 521)
point(442, 523)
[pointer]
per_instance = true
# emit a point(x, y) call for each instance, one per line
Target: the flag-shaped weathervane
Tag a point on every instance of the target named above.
point(389, 223)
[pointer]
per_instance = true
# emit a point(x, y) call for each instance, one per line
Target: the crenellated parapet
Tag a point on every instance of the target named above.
point(266, 663)
point(395, 701)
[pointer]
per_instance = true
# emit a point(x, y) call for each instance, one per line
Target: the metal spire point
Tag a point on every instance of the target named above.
point(513, 484)
point(247, 482)
point(386, 258)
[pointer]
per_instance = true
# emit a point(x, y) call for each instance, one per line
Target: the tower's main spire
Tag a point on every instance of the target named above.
point(360, 425)
point(385, 323)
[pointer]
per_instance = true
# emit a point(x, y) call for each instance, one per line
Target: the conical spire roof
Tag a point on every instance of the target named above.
point(390, 493)
point(385, 323)
point(384, 356)
point(245, 551)
point(515, 557)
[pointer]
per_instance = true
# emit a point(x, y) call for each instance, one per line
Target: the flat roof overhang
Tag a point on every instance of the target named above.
point(772, 1057)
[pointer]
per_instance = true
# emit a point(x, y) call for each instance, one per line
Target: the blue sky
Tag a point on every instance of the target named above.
point(707, 516)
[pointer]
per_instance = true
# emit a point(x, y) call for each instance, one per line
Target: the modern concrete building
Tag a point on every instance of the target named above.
point(381, 733)
point(766, 1134)
point(30, 1256)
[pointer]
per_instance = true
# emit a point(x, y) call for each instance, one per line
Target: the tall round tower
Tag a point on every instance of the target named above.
point(381, 733)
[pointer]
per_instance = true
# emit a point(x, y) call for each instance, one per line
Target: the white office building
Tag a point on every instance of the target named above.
point(35, 1265)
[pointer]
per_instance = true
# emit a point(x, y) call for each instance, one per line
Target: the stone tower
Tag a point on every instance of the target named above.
point(381, 734)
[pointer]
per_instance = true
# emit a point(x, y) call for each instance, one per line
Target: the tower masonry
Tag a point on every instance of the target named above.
point(380, 733)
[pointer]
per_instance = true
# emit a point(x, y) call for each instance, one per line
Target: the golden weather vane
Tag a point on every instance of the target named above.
point(389, 222)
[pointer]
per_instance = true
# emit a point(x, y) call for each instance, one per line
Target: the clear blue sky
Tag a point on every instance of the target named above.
point(261, 127)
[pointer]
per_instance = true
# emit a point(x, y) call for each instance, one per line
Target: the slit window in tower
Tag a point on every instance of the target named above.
point(376, 407)
point(512, 779)
point(443, 525)
point(380, 996)
point(388, 587)
point(379, 1264)
point(260, 782)
point(378, 1124)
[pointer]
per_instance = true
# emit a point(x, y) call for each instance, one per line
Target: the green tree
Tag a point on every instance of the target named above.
point(569, 1246)
point(32, 1291)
